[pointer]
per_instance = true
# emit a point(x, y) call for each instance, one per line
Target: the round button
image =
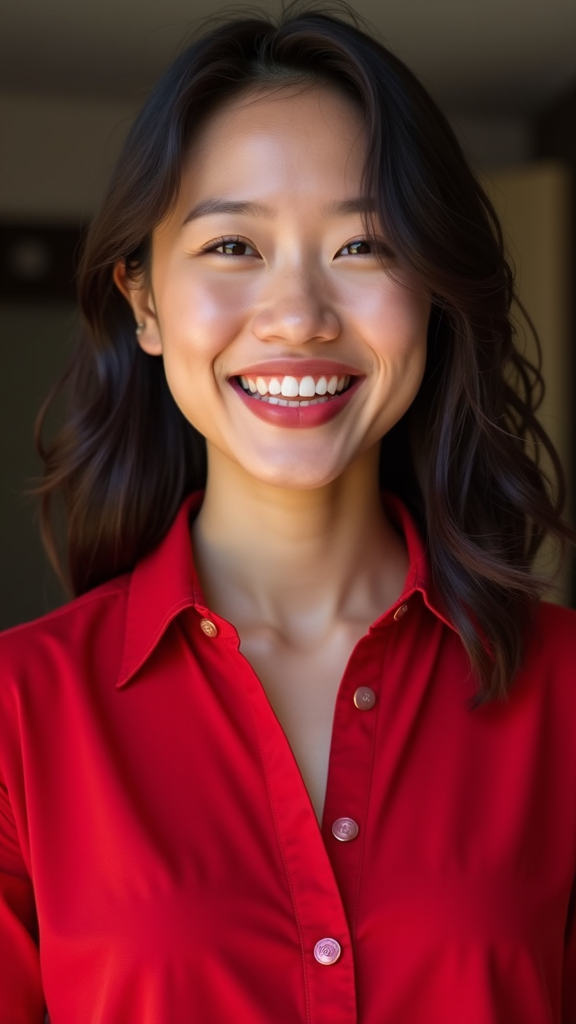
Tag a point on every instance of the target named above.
point(208, 627)
point(364, 698)
point(400, 612)
point(345, 829)
point(327, 951)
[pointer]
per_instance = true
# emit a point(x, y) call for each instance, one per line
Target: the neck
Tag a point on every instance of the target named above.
point(282, 557)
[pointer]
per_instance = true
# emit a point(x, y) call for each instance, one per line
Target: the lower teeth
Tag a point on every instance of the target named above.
point(283, 401)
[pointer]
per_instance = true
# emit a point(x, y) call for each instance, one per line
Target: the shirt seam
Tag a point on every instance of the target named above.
point(67, 609)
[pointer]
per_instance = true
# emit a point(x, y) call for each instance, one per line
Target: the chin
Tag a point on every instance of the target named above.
point(298, 478)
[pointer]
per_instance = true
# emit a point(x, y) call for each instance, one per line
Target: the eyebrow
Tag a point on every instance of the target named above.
point(360, 204)
point(208, 206)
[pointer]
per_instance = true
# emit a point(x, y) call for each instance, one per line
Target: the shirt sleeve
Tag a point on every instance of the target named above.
point(569, 971)
point(21, 996)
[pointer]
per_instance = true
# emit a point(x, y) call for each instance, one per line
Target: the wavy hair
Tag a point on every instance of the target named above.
point(465, 457)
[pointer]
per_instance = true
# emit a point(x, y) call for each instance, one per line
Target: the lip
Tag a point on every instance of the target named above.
point(299, 368)
point(286, 416)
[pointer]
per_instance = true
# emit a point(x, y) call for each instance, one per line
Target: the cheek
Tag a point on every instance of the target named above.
point(399, 332)
point(391, 312)
point(202, 310)
point(199, 320)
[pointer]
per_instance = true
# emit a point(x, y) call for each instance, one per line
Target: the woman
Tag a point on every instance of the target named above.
point(301, 751)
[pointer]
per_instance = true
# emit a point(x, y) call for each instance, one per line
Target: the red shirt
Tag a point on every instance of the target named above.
point(162, 862)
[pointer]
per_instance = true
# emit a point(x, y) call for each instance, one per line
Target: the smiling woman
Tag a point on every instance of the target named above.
point(273, 279)
point(301, 748)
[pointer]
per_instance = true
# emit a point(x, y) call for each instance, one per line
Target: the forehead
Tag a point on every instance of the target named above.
point(292, 138)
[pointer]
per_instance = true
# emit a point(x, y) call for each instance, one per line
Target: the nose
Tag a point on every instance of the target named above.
point(295, 310)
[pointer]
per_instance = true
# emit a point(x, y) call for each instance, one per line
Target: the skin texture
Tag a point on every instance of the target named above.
point(291, 543)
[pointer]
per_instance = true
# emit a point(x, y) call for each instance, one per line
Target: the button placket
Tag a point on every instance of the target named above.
point(317, 900)
point(353, 737)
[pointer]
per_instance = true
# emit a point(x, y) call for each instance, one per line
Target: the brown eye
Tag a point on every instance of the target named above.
point(232, 247)
point(359, 248)
point(367, 247)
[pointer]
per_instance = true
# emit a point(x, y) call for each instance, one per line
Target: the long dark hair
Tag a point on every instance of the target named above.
point(462, 457)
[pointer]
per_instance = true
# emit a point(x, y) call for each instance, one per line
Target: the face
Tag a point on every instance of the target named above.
point(287, 340)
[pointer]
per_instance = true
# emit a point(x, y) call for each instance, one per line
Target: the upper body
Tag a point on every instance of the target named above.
point(161, 849)
point(325, 769)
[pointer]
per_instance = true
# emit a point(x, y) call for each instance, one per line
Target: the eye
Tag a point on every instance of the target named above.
point(366, 247)
point(232, 246)
point(357, 248)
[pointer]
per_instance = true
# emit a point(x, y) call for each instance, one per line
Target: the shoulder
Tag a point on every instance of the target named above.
point(550, 655)
point(553, 632)
point(65, 638)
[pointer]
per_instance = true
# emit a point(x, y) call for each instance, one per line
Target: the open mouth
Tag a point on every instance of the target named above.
point(296, 392)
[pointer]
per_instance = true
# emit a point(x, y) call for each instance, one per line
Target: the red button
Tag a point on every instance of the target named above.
point(345, 829)
point(327, 951)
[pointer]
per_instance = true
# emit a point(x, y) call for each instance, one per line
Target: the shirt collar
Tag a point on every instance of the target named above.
point(419, 577)
point(165, 582)
point(162, 584)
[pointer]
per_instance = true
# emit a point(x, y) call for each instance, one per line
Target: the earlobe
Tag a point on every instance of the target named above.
point(148, 337)
point(146, 327)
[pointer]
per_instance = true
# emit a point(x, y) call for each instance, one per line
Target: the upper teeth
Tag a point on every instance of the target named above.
point(291, 387)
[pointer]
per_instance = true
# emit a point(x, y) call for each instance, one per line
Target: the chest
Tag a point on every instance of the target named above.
point(301, 683)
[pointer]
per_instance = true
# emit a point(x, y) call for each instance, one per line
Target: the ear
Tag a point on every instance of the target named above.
point(140, 298)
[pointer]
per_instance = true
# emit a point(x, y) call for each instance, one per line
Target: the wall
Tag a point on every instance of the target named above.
point(532, 202)
point(56, 155)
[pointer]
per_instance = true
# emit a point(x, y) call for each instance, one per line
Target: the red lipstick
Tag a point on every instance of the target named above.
point(292, 416)
point(299, 368)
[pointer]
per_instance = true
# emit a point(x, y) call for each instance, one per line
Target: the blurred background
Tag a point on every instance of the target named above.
point(73, 75)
